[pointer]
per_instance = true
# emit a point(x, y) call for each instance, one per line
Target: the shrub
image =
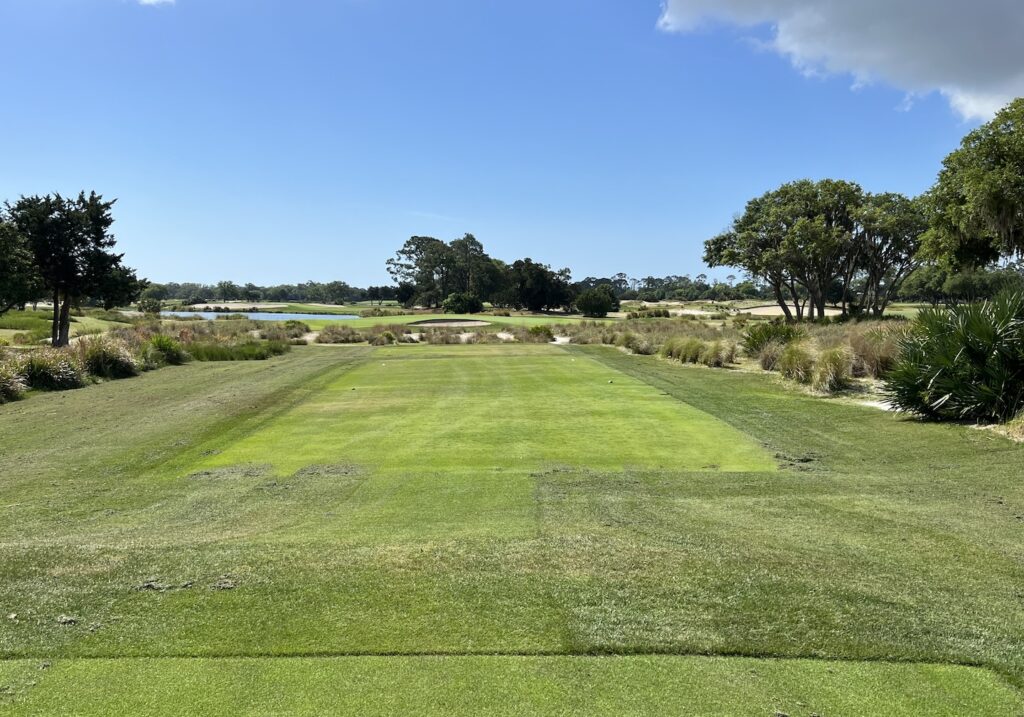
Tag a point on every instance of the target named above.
point(12, 382)
point(339, 334)
point(759, 335)
point(150, 306)
point(51, 370)
point(166, 350)
point(383, 339)
point(462, 303)
point(965, 362)
point(541, 334)
point(441, 337)
point(107, 358)
point(832, 370)
point(796, 362)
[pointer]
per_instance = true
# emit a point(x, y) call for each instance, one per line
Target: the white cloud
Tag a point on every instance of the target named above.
point(156, 2)
point(970, 51)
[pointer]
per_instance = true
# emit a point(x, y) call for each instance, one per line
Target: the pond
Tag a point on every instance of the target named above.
point(260, 315)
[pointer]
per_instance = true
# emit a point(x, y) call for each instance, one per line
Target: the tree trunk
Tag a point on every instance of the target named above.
point(55, 324)
point(63, 338)
point(781, 300)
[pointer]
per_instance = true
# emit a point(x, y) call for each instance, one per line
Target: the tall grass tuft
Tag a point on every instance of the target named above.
point(832, 370)
point(796, 362)
point(12, 382)
point(250, 351)
point(107, 358)
point(51, 369)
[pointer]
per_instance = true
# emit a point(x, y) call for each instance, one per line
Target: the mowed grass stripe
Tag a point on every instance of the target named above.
point(707, 686)
point(490, 407)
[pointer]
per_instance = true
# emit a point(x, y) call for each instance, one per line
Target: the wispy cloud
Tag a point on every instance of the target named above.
point(156, 2)
point(970, 52)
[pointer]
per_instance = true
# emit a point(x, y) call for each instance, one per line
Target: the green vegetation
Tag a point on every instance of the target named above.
point(62, 249)
point(343, 507)
point(963, 363)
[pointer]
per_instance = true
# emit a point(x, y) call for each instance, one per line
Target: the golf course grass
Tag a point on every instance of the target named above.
point(500, 529)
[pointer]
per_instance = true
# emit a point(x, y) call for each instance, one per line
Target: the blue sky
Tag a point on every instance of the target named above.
point(278, 141)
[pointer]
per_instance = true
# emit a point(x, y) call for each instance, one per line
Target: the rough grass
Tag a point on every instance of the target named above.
point(467, 501)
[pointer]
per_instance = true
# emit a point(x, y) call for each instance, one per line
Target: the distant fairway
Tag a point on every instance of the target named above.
point(497, 408)
point(501, 529)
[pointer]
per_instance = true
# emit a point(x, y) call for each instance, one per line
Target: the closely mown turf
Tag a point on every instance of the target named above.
point(273, 541)
point(585, 686)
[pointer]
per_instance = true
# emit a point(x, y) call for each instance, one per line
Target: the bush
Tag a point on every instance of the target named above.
point(339, 334)
point(383, 339)
point(12, 382)
point(150, 306)
point(51, 370)
point(759, 335)
point(796, 362)
point(107, 358)
point(964, 362)
point(832, 371)
point(462, 303)
point(541, 334)
point(166, 350)
point(442, 337)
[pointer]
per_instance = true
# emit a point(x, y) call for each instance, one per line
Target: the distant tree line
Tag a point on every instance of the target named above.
point(61, 249)
point(332, 292)
point(810, 243)
point(433, 273)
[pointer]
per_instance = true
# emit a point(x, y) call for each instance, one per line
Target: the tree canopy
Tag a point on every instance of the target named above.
point(978, 200)
point(71, 246)
point(810, 242)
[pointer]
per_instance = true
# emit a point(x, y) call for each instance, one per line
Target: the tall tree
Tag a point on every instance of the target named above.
point(71, 244)
point(889, 230)
point(978, 200)
point(20, 282)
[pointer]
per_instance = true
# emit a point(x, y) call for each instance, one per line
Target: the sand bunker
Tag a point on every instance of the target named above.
point(776, 310)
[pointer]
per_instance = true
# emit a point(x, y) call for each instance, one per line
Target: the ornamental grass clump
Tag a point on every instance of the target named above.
point(796, 362)
point(51, 369)
point(964, 362)
point(12, 382)
point(832, 370)
point(107, 358)
point(162, 349)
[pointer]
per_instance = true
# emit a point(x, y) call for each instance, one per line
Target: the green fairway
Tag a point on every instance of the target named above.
point(494, 321)
point(610, 686)
point(433, 409)
point(469, 529)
